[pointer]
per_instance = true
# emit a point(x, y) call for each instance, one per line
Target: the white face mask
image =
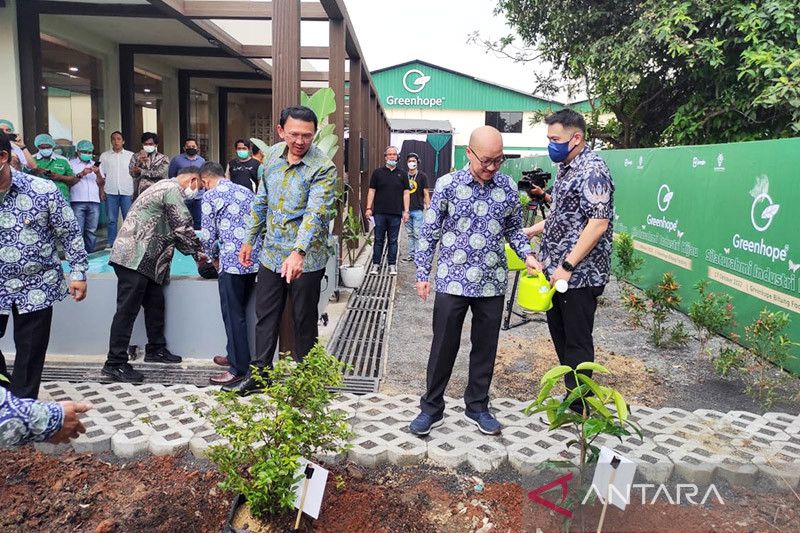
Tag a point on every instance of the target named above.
point(412, 165)
point(149, 148)
point(190, 193)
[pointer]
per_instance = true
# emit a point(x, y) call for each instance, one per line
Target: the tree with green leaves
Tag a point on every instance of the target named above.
point(678, 72)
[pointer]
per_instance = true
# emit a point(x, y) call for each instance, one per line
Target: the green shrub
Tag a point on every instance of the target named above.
point(268, 433)
point(664, 298)
point(711, 315)
point(627, 263)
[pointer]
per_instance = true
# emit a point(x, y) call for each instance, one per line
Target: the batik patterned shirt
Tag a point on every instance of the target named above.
point(154, 168)
point(34, 217)
point(583, 190)
point(292, 208)
point(23, 420)
point(157, 223)
point(226, 209)
point(471, 223)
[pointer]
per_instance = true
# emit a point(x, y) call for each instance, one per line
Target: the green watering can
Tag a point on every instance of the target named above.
point(536, 294)
point(513, 260)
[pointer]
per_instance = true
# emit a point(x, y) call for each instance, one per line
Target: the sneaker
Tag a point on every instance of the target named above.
point(124, 373)
point(376, 269)
point(392, 270)
point(485, 421)
point(162, 356)
point(424, 423)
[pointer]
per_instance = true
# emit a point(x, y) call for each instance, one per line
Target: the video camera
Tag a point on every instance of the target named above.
point(536, 177)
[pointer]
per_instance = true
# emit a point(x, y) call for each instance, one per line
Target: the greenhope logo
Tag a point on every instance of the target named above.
point(761, 248)
point(414, 81)
point(762, 202)
point(420, 80)
point(664, 197)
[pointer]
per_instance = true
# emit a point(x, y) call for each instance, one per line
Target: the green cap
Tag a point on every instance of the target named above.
point(85, 146)
point(44, 138)
point(7, 123)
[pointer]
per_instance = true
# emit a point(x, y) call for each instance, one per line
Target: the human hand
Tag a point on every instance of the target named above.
point(533, 264)
point(292, 267)
point(529, 232)
point(245, 255)
point(423, 289)
point(215, 262)
point(72, 426)
point(406, 216)
point(535, 190)
point(560, 273)
point(78, 290)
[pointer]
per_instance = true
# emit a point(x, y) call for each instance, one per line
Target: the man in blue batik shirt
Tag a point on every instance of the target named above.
point(576, 239)
point(225, 208)
point(473, 212)
point(34, 218)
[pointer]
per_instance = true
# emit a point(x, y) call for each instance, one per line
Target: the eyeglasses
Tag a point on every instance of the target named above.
point(486, 163)
point(307, 137)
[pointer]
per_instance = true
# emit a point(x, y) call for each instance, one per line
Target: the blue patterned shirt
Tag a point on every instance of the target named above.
point(23, 420)
point(34, 216)
point(583, 190)
point(292, 208)
point(471, 222)
point(226, 209)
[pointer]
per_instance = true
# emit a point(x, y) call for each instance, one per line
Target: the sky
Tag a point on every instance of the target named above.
point(392, 32)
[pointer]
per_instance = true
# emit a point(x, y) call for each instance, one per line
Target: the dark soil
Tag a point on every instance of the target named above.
point(165, 494)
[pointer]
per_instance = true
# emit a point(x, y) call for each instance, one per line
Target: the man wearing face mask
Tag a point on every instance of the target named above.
point(244, 169)
point(388, 201)
point(473, 212)
point(189, 158)
point(157, 223)
point(420, 200)
point(576, 238)
point(148, 165)
point(87, 194)
point(24, 157)
point(53, 166)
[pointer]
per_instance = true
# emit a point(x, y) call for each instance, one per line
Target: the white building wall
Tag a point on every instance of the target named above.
point(11, 100)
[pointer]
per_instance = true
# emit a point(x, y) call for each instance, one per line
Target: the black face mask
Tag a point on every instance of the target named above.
point(191, 151)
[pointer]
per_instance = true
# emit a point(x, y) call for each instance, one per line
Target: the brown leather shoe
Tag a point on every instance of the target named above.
point(221, 360)
point(226, 378)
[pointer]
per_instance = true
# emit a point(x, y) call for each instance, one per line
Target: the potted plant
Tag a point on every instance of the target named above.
point(267, 434)
point(352, 232)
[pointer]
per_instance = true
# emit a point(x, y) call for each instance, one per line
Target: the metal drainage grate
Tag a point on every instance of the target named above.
point(153, 373)
point(360, 337)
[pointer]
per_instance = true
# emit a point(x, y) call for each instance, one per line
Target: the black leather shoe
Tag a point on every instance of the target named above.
point(162, 356)
point(124, 373)
point(246, 387)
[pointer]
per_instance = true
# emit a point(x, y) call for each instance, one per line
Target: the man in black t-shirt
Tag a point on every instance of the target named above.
point(388, 201)
point(420, 200)
point(244, 169)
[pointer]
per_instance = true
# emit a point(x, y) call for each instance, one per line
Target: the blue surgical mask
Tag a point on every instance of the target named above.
point(46, 152)
point(391, 163)
point(558, 152)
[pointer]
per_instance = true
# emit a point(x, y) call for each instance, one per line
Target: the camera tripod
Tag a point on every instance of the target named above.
point(528, 218)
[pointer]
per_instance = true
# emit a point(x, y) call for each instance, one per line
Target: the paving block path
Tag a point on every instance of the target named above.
point(701, 446)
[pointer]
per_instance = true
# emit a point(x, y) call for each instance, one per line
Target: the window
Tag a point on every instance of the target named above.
point(506, 122)
point(149, 99)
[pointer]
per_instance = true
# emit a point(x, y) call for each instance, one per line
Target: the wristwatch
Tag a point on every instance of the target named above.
point(299, 251)
point(566, 265)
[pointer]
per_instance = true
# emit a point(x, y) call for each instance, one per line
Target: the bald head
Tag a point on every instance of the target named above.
point(486, 139)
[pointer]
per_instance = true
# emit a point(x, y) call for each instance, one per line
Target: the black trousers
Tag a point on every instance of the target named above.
point(271, 294)
point(135, 291)
point(234, 293)
point(448, 320)
point(31, 337)
point(571, 321)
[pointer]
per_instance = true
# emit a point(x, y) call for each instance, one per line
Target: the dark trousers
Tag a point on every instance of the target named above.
point(234, 293)
point(31, 337)
point(448, 320)
point(271, 294)
point(135, 291)
point(571, 321)
point(387, 227)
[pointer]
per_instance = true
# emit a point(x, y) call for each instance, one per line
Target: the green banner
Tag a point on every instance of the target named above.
point(723, 212)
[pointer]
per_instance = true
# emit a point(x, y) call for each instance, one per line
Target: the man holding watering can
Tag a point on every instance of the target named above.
point(472, 212)
point(576, 238)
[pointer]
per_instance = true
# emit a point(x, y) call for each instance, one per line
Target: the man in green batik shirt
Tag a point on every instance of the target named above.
point(53, 166)
point(291, 212)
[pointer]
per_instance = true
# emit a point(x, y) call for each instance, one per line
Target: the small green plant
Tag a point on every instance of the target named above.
point(711, 315)
point(268, 433)
point(352, 233)
point(769, 347)
point(635, 305)
point(627, 263)
point(595, 417)
point(663, 299)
